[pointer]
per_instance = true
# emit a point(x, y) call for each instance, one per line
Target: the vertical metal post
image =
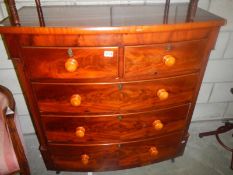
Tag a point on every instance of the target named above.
point(192, 9)
point(166, 12)
point(40, 13)
point(12, 11)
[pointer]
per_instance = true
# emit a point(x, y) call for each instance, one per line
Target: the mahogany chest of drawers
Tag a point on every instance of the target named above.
point(111, 89)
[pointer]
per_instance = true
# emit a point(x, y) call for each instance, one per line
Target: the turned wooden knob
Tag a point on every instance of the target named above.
point(158, 125)
point(85, 159)
point(75, 100)
point(80, 132)
point(162, 94)
point(169, 60)
point(71, 65)
point(153, 151)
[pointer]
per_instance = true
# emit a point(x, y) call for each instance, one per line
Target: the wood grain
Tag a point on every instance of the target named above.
point(109, 16)
point(146, 61)
point(114, 156)
point(101, 157)
point(119, 97)
point(108, 98)
point(49, 63)
point(114, 128)
point(138, 153)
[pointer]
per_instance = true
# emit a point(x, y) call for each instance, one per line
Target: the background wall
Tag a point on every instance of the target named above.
point(215, 102)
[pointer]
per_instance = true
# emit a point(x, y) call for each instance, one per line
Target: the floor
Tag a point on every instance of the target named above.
point(202, 157)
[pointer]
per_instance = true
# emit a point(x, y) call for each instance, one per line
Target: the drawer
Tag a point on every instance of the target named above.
point(161, 60)
point(71, 63)
point(114, 98)
point(114, 128)
point(115, 156)
point(134, 154)
point(85, 158)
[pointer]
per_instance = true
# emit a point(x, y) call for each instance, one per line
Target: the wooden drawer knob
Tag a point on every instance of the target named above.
point(169, 60)
point(162, 94)
point(85, 159)
point(153, 151)
point(75, 100)
point(80, 132)
point(71, 65)
point(158, 125)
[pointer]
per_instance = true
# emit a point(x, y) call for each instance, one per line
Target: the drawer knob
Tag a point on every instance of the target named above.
point(153, 151)
point(158, 125)
point(162, 94)
point(80, 132)
point(71, 65)
point(75, 100)
point(85, 159)
point(169, 60)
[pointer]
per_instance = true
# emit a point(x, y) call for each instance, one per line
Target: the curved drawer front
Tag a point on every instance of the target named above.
point(114, 98)
point(85, 158)
point(117, 128)
point(71, 63)
point(115, 156)
point(149, 151)
point(160, 60)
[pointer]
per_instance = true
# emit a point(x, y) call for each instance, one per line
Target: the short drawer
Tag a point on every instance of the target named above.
point(114, 128)
point(115, 156)
point(71, 63)
point(134, 154)
point(161, 60)
point(85, 158)
point(115, 97)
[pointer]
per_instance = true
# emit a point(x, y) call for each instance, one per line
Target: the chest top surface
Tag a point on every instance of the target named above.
point(110, 19)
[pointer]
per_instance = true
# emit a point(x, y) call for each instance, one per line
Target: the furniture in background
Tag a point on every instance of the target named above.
point(222, 129)
point(110, 87)
point(12, 156)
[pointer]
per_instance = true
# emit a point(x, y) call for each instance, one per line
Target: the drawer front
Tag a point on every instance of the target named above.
point(117, 128)
point(114, 98)
point(71, 63)
point(149, 151)
point(85, 158)
point(115, 156)
point(161, 60)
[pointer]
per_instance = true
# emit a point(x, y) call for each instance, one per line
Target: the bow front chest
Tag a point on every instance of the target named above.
point(110, 87)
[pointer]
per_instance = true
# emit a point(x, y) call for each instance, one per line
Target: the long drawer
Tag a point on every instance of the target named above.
point(161, 60)
point(84, 63)
point(114, 128)
point(115, 97)
point(114, 156)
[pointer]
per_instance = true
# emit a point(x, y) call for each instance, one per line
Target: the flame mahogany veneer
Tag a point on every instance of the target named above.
point(110, 87)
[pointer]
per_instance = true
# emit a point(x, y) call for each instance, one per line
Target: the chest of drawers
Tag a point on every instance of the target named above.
point(119, 90)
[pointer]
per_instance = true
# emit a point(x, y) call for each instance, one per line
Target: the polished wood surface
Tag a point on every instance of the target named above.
point(111, 87)
point(74, 157)
point(110, 19)
point(114, 128)
point(112, 98)
point(80, 132)
point(147, 61)
point(110, 157)
point(148, 151)
point(75, 100)
point(51, 63)
point(13, 13)
point(109, 16)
